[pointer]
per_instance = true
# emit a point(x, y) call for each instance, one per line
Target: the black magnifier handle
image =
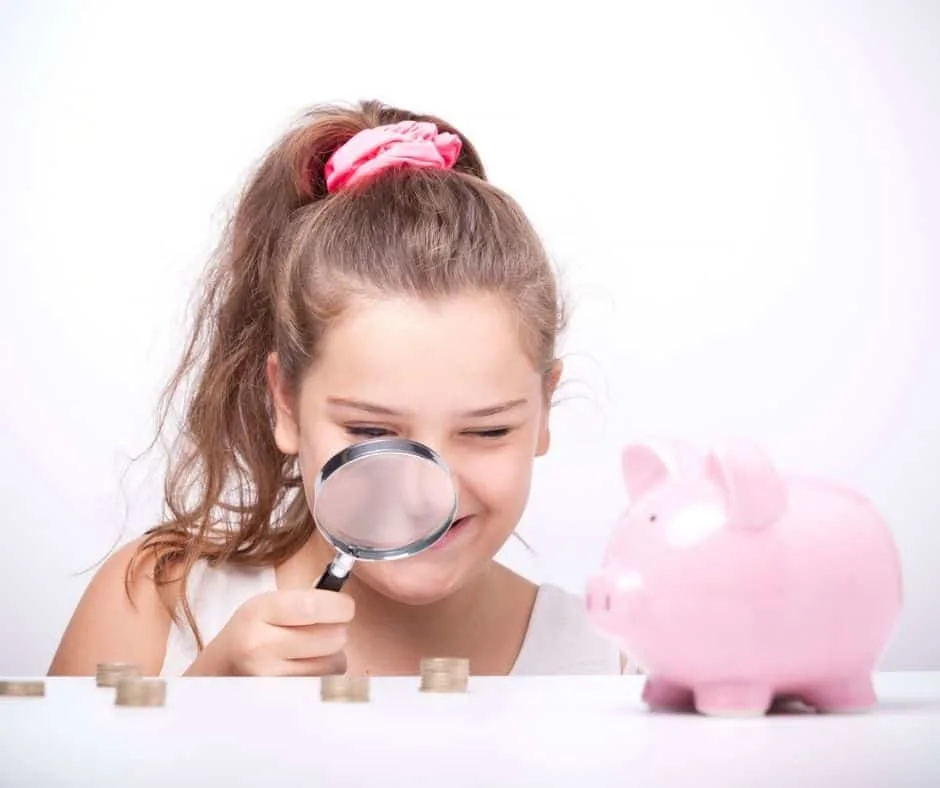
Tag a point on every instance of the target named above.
point(330, 582)
point(336, 573)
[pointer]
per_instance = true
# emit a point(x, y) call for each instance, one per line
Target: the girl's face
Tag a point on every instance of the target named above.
point(451, 374)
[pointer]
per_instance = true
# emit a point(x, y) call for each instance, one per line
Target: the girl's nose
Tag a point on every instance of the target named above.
point(428, 493)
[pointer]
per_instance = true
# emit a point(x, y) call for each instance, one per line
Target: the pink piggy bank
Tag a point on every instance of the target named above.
point(732, 585)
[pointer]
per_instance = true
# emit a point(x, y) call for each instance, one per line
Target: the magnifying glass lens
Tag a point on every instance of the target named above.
point(385, 502)
point(380, 500)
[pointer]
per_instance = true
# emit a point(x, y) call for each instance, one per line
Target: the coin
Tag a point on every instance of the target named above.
point(349, 689)
point(444, 674)
point(109, 673)
point(23, 689)
point(140, 692)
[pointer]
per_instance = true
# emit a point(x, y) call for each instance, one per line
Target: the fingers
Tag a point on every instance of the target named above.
point(317, 640)
point(332, 665)
point(300, 632)
point(304, 606)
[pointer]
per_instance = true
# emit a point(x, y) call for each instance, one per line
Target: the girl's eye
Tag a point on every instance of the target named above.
point(367, 432)
point(381, 432)
point(501, 432)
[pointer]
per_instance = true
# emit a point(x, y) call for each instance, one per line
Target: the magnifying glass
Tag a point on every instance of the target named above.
point(380, 500)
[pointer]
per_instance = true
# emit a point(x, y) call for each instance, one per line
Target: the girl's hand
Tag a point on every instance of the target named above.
point(298, 632)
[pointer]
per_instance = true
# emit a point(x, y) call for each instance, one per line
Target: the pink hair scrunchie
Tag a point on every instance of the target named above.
point(406, 144)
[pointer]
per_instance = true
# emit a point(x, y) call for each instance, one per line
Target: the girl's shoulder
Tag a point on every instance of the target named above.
point(123, 615)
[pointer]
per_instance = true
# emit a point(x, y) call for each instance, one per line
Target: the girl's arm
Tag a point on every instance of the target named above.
point(107, 626)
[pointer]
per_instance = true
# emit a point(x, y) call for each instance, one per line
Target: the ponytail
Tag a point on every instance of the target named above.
point(228, 486)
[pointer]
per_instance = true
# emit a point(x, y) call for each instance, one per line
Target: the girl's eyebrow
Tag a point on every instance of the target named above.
point(381, 410)
point(492, 410)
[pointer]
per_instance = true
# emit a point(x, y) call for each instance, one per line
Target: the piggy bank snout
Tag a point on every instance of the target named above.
point(616, 600)
point(600, 595)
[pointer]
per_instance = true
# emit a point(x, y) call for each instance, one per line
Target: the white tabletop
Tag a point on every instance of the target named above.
point(565, 731)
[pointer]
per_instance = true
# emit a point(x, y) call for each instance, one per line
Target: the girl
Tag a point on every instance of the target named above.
point(372, 283)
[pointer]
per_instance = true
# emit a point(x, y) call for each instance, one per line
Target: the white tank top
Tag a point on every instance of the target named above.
point(560, 639)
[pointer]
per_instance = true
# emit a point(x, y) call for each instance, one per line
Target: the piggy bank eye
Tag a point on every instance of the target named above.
point(652, 518)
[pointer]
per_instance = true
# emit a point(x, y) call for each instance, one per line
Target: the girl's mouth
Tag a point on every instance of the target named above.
point(455, 529)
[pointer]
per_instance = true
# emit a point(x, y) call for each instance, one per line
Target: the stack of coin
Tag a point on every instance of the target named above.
point(444, 674)
point(140, 692)
point(110, 673)
point(23, 689)
point(348, 689)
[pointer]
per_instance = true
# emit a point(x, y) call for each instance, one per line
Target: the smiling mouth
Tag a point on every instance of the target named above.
point(456, 527)
point(458, 523)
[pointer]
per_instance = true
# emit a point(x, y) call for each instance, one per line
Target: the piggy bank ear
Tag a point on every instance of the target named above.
point(649, 462)
point(755, 494)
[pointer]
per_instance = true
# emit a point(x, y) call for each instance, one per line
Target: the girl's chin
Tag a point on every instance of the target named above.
point(435, 573)
point(411, 584)
point(423, 579)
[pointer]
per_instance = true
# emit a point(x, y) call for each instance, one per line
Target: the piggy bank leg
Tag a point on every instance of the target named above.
point(733, 700)
point(847, 695)
point(662, 695)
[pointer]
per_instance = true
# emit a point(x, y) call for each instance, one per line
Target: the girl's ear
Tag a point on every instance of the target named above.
point(550, 385)
point(286, 431)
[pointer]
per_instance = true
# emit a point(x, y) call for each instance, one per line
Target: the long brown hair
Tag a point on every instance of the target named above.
point(289, 258)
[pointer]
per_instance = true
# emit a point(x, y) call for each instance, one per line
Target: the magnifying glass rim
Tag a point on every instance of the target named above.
point(359, 451)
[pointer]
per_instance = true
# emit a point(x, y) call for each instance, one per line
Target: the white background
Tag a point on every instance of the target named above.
point(743, 199)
